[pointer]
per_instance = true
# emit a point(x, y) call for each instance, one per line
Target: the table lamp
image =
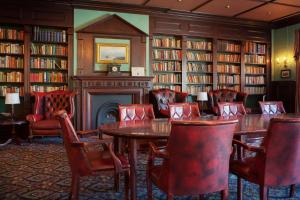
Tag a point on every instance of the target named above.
point(12, 98)
point(202, 96)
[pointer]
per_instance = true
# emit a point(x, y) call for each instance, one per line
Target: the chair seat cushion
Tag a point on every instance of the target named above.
point(48, 124)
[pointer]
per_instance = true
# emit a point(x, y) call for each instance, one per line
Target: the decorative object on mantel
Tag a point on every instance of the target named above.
point(112, 53)
point(113, 69)
point(137, 71)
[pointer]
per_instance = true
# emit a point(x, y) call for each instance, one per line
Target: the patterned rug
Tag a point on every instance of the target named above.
point(40, 170)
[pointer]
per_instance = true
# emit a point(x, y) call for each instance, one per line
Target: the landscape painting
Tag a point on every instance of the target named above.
point(111, 53)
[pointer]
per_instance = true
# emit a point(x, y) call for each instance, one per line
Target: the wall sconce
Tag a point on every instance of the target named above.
point(283, 61)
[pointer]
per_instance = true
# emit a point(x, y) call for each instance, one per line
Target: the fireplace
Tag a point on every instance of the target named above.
point(98, 97)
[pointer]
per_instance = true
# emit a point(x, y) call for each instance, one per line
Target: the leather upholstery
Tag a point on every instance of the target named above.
point(184, 110)
point(161, 98)
point(278, 161)
point(196, 159)
point(136, 112)
point(271, 107)
point(42, 121)
point(231, 109)
point(225, 95)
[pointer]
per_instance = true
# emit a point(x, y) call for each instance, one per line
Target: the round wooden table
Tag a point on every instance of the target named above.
point(161, 128)
point(14, 136)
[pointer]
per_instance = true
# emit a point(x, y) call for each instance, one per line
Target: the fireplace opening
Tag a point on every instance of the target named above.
point(107, 113)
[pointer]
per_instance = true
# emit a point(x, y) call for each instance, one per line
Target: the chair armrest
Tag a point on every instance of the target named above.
point(249, 148)
point(34, 118)
point(89, 144)
point(87, 132)
point(157, 152)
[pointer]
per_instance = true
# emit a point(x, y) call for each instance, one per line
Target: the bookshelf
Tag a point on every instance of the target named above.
point(167, 62)
point(48, 59)
point(255, 67)
point(229, 65)
point(11, 59)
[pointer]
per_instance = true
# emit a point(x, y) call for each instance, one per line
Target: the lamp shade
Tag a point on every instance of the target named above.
point(12, 98)
point(202, 96)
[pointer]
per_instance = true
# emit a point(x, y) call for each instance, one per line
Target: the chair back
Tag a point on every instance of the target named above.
point(199, 156)
point(231, 109)
point(282, 158)
point(184, 110)
point(271, 107)
point(136, 112)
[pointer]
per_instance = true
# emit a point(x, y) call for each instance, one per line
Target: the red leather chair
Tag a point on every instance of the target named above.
point(276, 162)
point(161, 98)
point(86, 158)
point(224, 95)
point(231, 109)
point(271, 107)
point(196, 159)
point(132, 112)
point(184, 110)
point(42, 121)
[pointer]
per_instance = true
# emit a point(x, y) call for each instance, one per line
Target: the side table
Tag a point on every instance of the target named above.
point(13, 124)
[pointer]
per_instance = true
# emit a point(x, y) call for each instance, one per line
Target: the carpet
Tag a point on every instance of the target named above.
point(40, 170)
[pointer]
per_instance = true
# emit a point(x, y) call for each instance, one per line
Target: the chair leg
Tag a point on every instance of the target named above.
point(117, 182)
point(263, 192)
point(127, 185)
point(75, 187)
point(224, 194)
point(170, 197)
point(201, 197)
point(292, 190)
point(239, 189)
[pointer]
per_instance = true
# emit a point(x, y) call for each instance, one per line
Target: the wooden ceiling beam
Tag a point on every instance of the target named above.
point(260, 5)
point(199, 6)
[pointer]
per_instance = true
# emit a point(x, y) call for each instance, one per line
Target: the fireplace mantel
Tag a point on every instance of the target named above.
point(87, 86)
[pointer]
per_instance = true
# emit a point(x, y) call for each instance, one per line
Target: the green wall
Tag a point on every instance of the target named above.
point(283, 48)
point(83, 18)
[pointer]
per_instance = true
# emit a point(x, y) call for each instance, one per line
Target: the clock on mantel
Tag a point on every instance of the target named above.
point(114, 70)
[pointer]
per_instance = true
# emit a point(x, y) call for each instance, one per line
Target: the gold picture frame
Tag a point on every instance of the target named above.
point(112, 53)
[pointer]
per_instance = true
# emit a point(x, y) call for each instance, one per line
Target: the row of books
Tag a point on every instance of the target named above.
point(204, 79)
point(228, 46)
point(49, 35)
point(11, 48)
point(255, 80)
point(11, 62)
point(167, 78)
point(255, 70)
point(255, 48)
point(228, 79)
point(48, 63)
point(9, 89)
point(197, 56)
point(229, 58)
point(259, 59)
point(11, 34)
point(177, 88)
point(230, 87)
point(199, 67)
point(166, 66)
point(166, 42)
point(39, 88)
point(193, 89)
point(167, 54)
point(255, 90)
point(49, 49)
point(199, 45)
point(223, 68)
point(48, 77)
point(11, 77)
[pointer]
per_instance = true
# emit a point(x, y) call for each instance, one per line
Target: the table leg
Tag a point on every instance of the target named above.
point(133, 164)
point(14, 135)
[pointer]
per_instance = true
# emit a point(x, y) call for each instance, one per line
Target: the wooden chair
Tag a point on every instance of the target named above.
point(271, 107)
point(195, 161)
point(86, 159)
point(277, 160)
point(184, 110)
point(231, 109)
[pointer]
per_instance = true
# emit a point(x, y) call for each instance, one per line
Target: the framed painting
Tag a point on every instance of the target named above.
point(286, 73)
point(111, 53)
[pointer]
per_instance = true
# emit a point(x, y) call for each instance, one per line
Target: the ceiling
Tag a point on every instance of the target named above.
point(261, 10)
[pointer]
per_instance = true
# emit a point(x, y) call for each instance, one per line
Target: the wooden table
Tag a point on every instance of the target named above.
point(14, 136)
point(160, 129)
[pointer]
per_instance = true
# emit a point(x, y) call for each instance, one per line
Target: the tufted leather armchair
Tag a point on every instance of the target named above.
point(42, 121)
point(277, 160)
point(161, 98)
point(196, 159)
point(184, 110)
point(271, 107)
point(132, 112)
point(225, 95)
point(226, 109)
